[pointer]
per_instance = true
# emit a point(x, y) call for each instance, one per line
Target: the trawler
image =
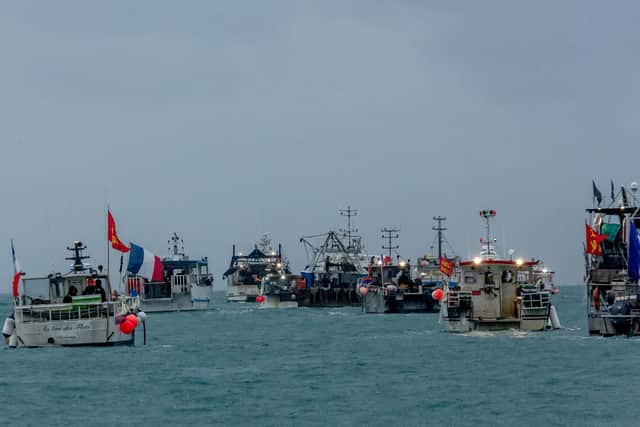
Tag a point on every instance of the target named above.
point(336, 262)
point(496, 294)
point(187, 284)
point(277, 289)
point(612, 257)
point(246, 272)
point(389, 289)
point(388, 295)
point(76, 308)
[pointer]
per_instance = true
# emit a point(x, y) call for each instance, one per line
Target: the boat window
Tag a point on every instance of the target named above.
point(470, 279)
point(203, 269)
point(36, 291)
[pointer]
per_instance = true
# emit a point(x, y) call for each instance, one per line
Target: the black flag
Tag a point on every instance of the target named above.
point(625, 200)
point(596, 193)
point(613, 192)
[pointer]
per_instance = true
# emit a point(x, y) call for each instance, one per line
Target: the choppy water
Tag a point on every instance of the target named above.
point(236, 365)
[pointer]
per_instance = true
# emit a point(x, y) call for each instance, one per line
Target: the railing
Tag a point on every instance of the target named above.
point(180, 284)
point(535, 300)
point(75, 311)
point(454, 298)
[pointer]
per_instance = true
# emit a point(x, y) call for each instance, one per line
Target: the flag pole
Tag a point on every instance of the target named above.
point(107, 230)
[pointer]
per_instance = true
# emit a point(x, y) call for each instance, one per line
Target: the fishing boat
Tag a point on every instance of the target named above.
point(336, 262)
point(388, 288)
point(246, 272)
point(185, 284)
point(76, 308)
point(612, 262)
point(496, 294)
point(277, 289)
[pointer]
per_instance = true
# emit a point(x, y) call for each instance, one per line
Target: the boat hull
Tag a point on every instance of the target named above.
point(274, 301)
point(242, 293)
point(327, 297)
point(86, 332)
point(199, 299)
point(378, 302)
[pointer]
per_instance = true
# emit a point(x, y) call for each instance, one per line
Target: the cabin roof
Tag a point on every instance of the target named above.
point(507, 262)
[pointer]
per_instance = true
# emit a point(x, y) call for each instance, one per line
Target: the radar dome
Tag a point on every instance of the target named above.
point(634, 186)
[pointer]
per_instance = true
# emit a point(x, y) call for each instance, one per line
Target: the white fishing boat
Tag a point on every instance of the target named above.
point(186, 284)
point(76, 308)
point(245, 272)
point(497, 294)
point(277, 289)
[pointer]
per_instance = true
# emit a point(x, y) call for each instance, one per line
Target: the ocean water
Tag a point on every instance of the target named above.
point(238, 365)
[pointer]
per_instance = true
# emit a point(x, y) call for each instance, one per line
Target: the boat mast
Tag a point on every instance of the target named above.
point(487, 215)
point(439, 229)
point(77, 257)
point(349, 213)
point(390, 234)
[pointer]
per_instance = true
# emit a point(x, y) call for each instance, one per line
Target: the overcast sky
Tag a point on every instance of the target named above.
point(221, 120)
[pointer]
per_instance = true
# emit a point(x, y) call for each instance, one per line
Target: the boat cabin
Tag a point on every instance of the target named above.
point(179, 276)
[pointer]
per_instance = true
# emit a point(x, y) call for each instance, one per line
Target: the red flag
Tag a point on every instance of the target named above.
point(17, 272)
point(446, 266)
point(593, 241)
point(112, 236)
point(386, 260)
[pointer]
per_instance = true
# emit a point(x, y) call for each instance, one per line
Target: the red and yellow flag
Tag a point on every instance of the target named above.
point(446, 266)
point(593, 241)
point(112, 236)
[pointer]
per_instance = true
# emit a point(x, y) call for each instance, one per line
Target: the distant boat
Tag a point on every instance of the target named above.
point(336, 262)
point(277, 289)
point(497, 294)
point(246, 272)
point(187, 284)
point(51, 310)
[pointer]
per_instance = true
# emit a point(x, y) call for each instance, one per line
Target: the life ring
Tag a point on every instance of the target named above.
point(596, 299)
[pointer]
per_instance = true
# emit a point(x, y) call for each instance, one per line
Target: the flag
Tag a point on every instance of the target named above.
point(112, 236)
point(613, 192)
point(597, 195)
point(593, 241)
point(17, 271)
point(386, 260)
point(446, 266)
point(634, 252)
point(145, 264)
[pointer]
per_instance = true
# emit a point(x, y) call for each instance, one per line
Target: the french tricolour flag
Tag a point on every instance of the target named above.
point(145, 264)
point(17, 271)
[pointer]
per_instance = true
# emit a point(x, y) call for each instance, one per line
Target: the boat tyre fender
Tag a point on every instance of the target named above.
point(596, 299)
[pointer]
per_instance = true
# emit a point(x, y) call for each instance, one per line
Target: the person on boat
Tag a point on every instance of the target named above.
point(90, 288)
point(99, 290)
point(404, 281)
point(73, 291)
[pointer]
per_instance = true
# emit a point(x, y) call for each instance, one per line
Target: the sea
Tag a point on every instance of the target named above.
point(237, 365)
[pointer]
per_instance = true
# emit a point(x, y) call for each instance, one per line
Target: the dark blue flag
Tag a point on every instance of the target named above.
point(634, 252)
point(597, 195)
